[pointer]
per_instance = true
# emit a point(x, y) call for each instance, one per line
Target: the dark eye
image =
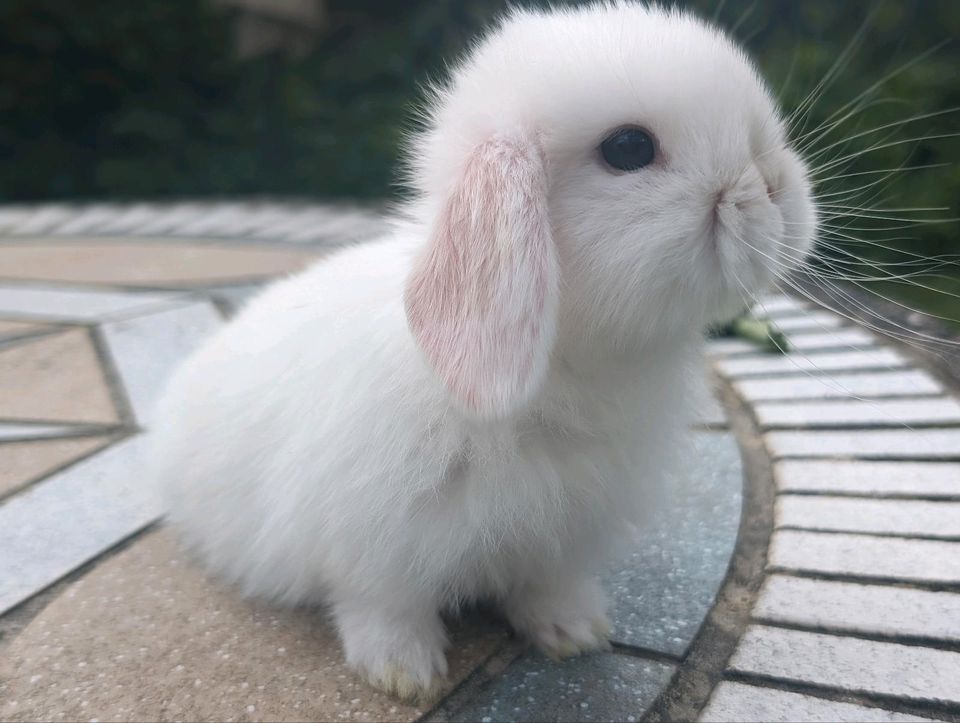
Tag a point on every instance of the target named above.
point(628, 149)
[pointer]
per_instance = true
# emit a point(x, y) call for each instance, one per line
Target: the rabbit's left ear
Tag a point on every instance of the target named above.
point(481, 300)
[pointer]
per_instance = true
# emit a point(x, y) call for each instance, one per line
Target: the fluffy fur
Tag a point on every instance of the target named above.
point(481, 404)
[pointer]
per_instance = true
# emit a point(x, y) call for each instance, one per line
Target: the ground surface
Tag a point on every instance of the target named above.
point(834, 596)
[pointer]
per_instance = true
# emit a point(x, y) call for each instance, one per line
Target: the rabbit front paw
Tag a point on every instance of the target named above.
point(402, 655)
point(562, 623)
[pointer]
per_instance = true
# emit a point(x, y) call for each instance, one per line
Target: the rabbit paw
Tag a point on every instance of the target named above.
point(403, 658)
point(565, 623)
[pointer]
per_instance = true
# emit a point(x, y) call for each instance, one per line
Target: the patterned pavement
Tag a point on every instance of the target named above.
point(854, 616)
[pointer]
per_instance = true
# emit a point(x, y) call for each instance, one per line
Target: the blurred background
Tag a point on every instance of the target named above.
point(163, 99)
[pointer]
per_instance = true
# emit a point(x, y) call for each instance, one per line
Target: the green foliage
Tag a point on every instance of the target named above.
point(147, 99)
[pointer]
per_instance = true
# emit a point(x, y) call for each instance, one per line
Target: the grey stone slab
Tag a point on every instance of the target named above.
point(813, 322)
point(779, 305)
point(942, 411)
point(73, 304)
point(919, 479)
point(887, 558)
point(754, 704)
point(42, 219)
point(70, 518)
point(730, 346)
point(661, 591)
point(765, 365)
point(835, 340)
point(146, 349)
point(910, 444)
point(87, 219)
point(599, 687)
point(863, 666)
point(873, 609)
point(892, 517)
point(864, 385)
point(11, 431)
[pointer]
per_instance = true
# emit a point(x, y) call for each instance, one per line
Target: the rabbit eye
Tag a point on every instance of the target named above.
point(628, 149)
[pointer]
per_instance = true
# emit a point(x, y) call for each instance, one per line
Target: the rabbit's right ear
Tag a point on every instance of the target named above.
point(481, 300)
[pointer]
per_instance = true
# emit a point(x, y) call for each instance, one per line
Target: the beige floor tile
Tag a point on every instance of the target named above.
point(146, 636)
point(55, 378)
point(150, 263)
point(10, 329)
point(23, 462)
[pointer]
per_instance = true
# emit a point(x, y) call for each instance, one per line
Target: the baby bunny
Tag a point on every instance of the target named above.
point(479, 405)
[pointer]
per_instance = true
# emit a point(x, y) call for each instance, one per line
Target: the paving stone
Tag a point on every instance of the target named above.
point(778, 305)
point(55, 378)
point(58, 524)
point(130, 218)
point(661, 591)
point(874, 609)
point(852, 413)
point(14, 329)
point(865, 556)
point(836, 340)
point(24, 462)
point(23, 432)
point(41, 220)
point(814, 322)
point(146, 349)
point(827, 363)
point(893, 517)
point(867, 666)
point(600, 687)
point(755, 704)
point(146, 636)
point(87, 219)
point(920, 479)
point(146, 262)
point(865, 385)
point(918, 444)
point(71, 304)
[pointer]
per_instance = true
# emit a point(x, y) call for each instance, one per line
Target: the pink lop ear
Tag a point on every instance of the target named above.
point(481, 299)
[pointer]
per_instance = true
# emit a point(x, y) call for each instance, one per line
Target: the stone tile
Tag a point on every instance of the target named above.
point(779, 305)
point(893, 517)
point(146, 349)
point(916, 444)
point(914, 673)
point(753, 704)
point(87, 219)
point(661, 591)
point(55, 378)
point(146, 262)
point(827, 363)
point(730, 346)
point(58, 524)
point(41, 220)
point(600, 687)
point(146, 636)
point(14, 329)
point(814, 322)
point(71, 304)
point(866, 385)
point(865, 556)
point(853, 413)
point(171, 217)
point(130, 218)
point(921, 479)
point(874, 609)
point(837, 339)
point(23, 432)
point(24, 462)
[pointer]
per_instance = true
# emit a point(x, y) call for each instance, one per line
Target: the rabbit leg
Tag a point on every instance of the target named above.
point(561, 618)
point(398, 649)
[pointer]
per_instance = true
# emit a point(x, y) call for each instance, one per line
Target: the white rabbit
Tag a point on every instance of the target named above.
point(482, 403)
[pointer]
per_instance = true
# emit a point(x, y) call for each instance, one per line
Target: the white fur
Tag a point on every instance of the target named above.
point(309, 452)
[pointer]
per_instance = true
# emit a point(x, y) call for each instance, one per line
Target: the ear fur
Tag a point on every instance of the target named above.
point(481, 298)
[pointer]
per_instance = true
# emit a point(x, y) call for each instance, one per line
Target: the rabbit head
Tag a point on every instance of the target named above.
point(600, 179)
